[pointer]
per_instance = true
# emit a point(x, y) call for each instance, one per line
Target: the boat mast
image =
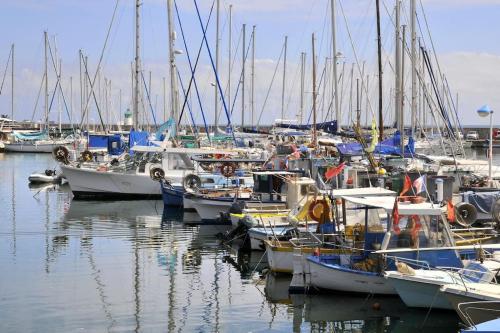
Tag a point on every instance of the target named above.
point(314, 91)
point(173, 81)
point(401, 93)
point(12, 83)
point(46, 84)
point(243, 77)
point(216, 104)
point(413, 66)
point(397, 62)
point(135, 122)
point(230, 57)
point(252, 84)
point(380, 81)
point(302, 74)
point(334, 67)
point(284, 81)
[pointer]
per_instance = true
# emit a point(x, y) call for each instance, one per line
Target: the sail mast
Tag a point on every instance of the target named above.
point(397, 62)
point(46, 84)
point(243, 77)
point(284, 81)
point(380, 81)
point(252, 83)
point(216, 103)
point(173, 81)
point(314, 91)
point(135, 123)
point(413, 66)
point(12, 84)
point(334, 67)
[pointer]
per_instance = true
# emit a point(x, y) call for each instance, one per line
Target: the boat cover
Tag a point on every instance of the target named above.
point(389, 146)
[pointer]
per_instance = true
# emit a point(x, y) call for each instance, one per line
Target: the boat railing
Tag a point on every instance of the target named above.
point(414, 262)
point(465, 307)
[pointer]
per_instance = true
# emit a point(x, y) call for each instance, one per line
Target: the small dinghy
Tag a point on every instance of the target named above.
point(48, 176)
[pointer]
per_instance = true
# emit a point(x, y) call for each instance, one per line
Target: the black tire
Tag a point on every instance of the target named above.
point(466, 214)
point(61, 154)
point(157, 174)
point(192, 182)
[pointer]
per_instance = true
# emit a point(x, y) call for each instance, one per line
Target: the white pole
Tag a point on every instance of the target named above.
point(284, 81)
point(216, 105)
point(135, 118)
point(490, 159)
point(334, 68)
point(413, 67)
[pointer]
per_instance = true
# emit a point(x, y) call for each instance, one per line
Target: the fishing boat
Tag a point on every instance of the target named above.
point(269, 192)
point(211, 174)
point(420, 236)
point(131, 177)
point(281, 253)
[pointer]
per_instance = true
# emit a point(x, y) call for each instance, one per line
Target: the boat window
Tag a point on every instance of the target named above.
point(176, 162)
point(207, 180)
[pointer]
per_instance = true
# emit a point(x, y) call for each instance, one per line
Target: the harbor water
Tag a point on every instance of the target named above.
point(131, 266)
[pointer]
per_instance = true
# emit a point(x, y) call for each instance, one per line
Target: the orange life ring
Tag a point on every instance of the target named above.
point(228, 169)
point(314, 208)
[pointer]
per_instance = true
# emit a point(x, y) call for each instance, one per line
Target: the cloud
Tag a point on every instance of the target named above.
point(474, 77)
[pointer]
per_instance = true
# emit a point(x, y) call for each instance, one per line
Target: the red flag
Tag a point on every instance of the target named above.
point(334, 171)
point(395, 217)
point(451, 211)
point(406, 186)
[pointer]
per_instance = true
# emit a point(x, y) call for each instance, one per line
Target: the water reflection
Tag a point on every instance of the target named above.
point(132, 266)
point(354, 313)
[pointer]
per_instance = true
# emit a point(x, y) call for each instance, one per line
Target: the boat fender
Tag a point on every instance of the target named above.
point(228, 169)
point(495, 212)
point(157, 174)
point(317, 208)
point(61, 154)
point(191, 181)
point(465, 214)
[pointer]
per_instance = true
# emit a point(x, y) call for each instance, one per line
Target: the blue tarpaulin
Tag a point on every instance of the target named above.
point(139, 139)
point(389, 146)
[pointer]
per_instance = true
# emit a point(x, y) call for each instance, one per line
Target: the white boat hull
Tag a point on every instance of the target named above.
point(420, 294)
point(92, 183)
point(23, 147)
point(348, 281)
point(43, 178)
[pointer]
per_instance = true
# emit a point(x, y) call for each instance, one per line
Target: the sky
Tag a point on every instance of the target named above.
point(465, 35)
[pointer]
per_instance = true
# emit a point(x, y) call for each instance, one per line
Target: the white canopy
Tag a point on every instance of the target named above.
point(387, 203)
point(361, 192)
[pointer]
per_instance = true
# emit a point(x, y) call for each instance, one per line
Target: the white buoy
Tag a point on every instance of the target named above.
point(439, 189)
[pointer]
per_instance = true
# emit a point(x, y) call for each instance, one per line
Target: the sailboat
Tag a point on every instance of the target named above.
point(40, 141)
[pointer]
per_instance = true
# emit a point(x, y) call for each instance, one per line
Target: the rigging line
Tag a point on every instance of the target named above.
point(5, 72)
point(149, 99)
point(58, 83)
point(271, 84)
point(193, 78)
point(363, 86)
point(195, 130)
point(241, 73)
point(93, 94)
point(99, 65)
point(217, 81)
point(430, 39)
point(38, 97)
